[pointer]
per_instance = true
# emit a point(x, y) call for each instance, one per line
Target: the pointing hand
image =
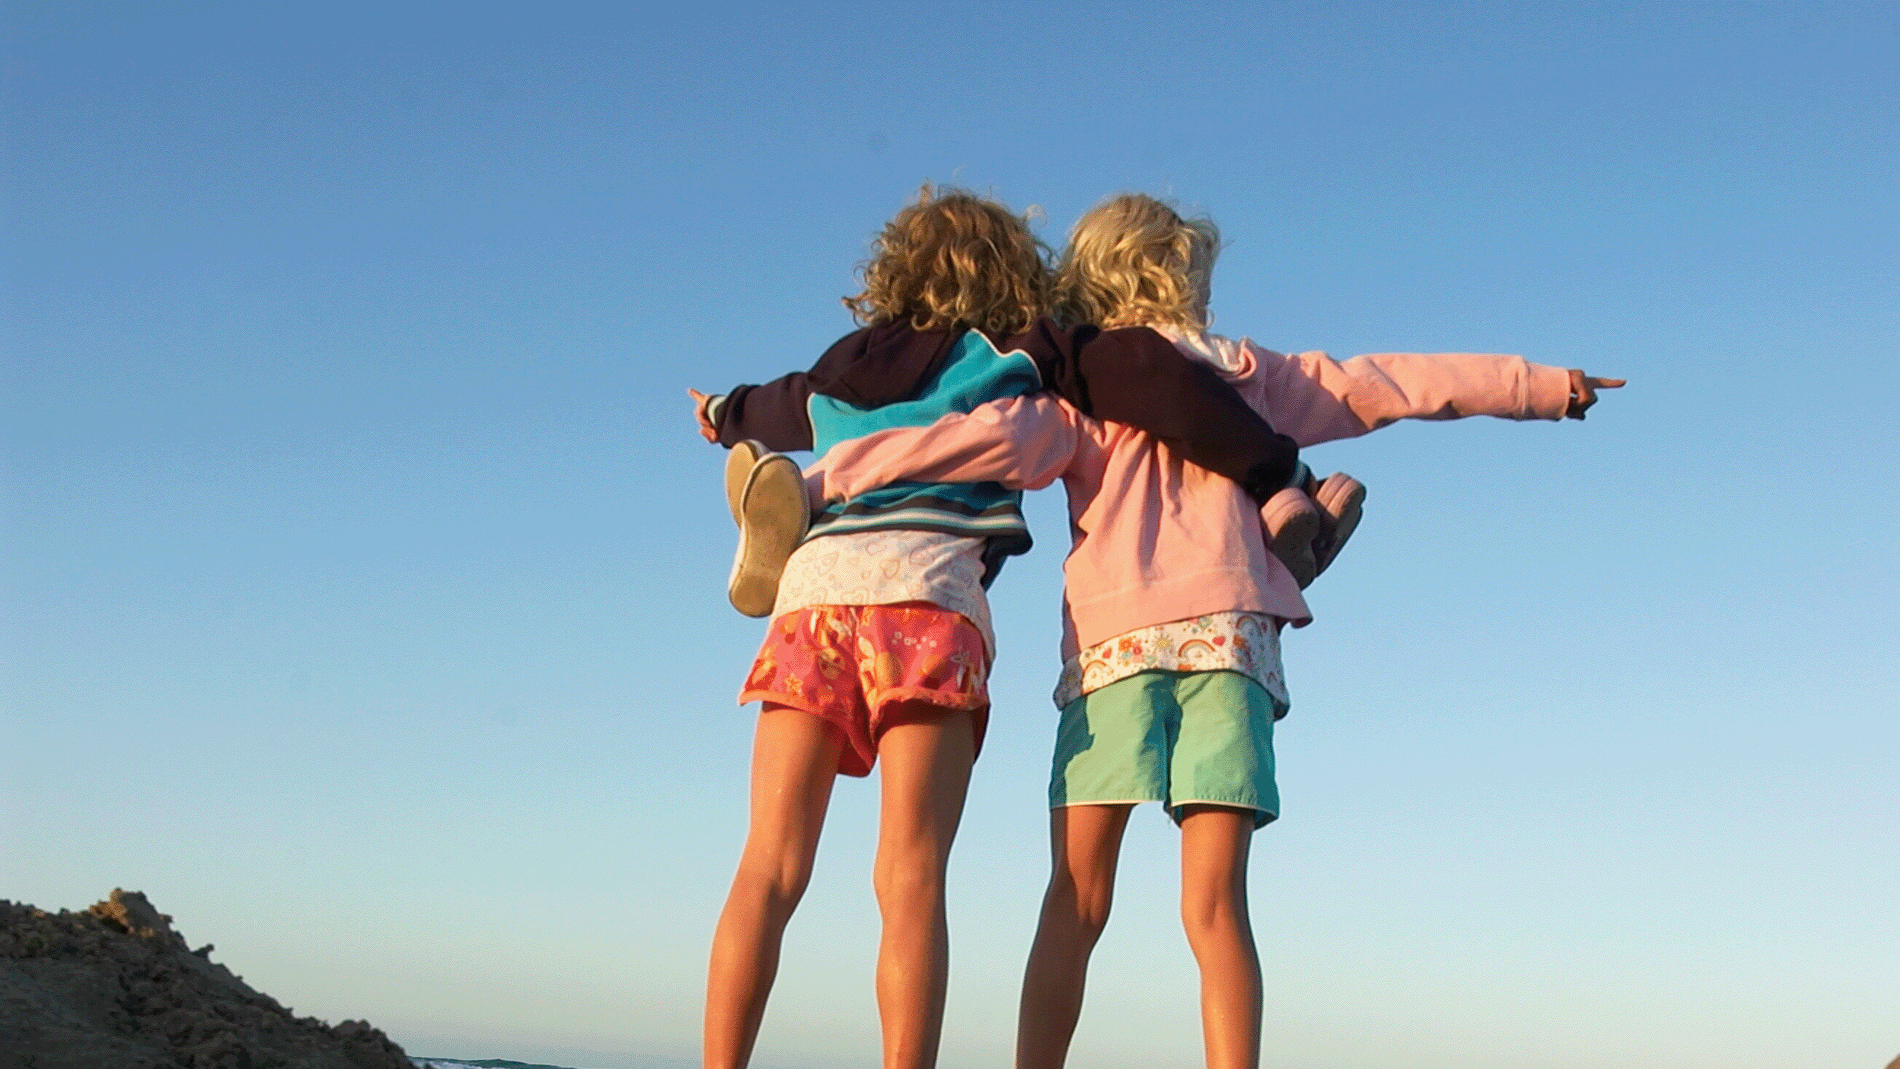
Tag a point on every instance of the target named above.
point(1583, 391)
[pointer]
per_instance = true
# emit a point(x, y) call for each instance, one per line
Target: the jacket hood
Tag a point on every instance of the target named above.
point(1233, 359)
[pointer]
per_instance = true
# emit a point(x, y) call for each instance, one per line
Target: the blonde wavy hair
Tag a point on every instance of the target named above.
point(954, 258)
point(1134, 261)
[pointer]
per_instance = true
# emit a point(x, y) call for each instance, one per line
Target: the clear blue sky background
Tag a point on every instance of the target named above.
point(363, 574)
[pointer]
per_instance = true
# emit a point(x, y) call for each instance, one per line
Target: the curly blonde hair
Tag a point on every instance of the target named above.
point(954, 258)
point(1133, 261)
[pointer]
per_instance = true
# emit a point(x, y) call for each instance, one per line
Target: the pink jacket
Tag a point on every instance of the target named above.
point(1157, 539)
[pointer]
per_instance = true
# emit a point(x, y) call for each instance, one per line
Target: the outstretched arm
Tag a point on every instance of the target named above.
point(774, 414)
point(701, 403)
point(1316, 398)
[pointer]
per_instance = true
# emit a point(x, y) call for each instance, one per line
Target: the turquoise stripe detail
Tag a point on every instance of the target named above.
point(923, 517)
point(966, 498)
point(974, 373)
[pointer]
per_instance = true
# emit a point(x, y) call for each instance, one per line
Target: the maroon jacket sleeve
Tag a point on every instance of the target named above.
point(869, 367)
point(1136, 376)
point(773, 414)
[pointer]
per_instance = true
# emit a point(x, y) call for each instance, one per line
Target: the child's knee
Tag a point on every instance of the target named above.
point(1218, 906)
point(777, 876)
point(1085, 900)
point(900, 881)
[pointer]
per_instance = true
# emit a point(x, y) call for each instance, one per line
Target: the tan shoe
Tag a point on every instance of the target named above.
point(1292, 522)
point(773, 514)
point(1343, 498)
point(739, 464)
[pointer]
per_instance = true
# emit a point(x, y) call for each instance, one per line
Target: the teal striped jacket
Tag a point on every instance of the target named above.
point(973, 372)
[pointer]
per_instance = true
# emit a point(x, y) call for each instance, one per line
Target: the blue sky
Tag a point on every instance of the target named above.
point(363, 574)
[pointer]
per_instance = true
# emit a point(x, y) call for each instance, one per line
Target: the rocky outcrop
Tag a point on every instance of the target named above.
point(116, 986)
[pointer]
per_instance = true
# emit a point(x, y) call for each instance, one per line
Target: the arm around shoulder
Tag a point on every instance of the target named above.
point(1024, 443)
point(1137, 376)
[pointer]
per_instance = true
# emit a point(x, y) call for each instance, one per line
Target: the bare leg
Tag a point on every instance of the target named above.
point(794, 761)
point(926, 774)
point(1214, 844)
point(1085, 843)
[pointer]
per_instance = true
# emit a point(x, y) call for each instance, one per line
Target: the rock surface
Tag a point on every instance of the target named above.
point(116, 988)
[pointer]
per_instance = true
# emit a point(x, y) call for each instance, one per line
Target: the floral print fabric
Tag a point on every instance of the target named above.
point(856, 665)
point(888, 568)
point(1243, 642)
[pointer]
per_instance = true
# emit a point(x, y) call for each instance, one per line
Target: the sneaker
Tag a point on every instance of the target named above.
point(1292, 523)
point(1343, 497)
point(739, 464)
point(773, 514)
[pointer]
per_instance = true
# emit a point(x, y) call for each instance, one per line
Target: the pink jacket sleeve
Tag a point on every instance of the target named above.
point(1025, 443)
point(1314, 398)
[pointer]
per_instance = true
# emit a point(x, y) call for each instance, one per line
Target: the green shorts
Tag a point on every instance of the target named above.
point(1178, 738)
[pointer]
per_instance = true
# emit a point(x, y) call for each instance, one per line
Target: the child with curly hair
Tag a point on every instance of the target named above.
point(1173, 607)
point(880, 643)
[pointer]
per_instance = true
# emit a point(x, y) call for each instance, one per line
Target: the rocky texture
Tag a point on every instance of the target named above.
point(116, 988)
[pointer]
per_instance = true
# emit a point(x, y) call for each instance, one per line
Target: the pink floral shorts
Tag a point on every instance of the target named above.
point(855, 665)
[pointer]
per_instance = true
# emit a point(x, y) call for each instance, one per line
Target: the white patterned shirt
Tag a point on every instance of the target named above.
point(1244, 642)
point(887, 567)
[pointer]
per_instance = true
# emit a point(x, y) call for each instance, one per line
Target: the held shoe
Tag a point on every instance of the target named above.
point(1343, 497)
point(773, 514)
point(739, 464)
point(1292, 522)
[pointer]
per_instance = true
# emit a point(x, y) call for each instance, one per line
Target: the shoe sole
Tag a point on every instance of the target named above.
point(773, 515)
point(740, 461)
point(1292, 523)
point(1344, 498)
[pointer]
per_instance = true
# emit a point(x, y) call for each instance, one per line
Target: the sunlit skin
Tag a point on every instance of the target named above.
point(924, 773)
point(1127, 263)
point(792, 757)
point(1583, 392)
point(1085, 843)
point(1085, 849)
point(795, 758)
point(709, 432)
point(949, 259)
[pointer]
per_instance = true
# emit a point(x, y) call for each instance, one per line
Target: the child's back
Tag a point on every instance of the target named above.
point(1158, 539)
point(879, 650)
point(1173, 606)
point(879, 647)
